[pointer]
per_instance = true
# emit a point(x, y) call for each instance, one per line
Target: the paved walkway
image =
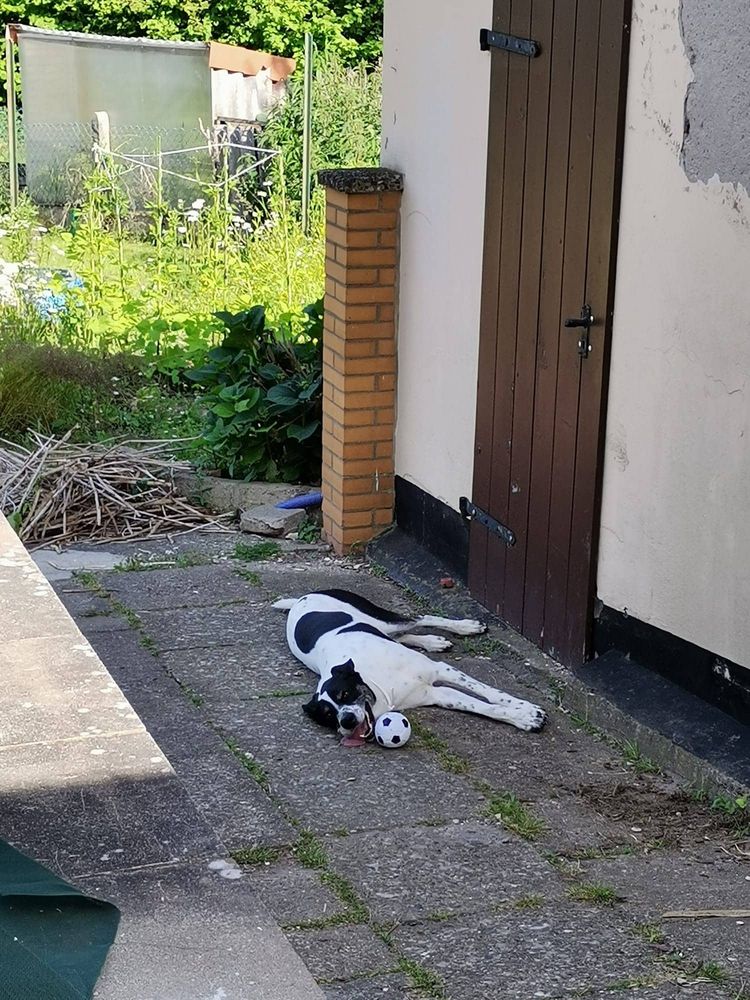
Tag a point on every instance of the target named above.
point(477, 863)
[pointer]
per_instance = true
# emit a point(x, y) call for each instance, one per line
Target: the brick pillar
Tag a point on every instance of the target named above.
point(359, 353)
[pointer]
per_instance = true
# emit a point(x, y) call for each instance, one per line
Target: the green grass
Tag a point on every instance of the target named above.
point(309, 851)
point(252, 766)
point(712, 971)
point(281, 694)
point(482, 646)
point(250, 575)
point(531, 902)
point(249, 856)
point(190, 693)
point(651, 932)
point(449, 761)
point(601, 853)
point(430, 984)
point(514, 815)
point(593, 892)
point(635, 760)
point(256, 551)
point(356, 910)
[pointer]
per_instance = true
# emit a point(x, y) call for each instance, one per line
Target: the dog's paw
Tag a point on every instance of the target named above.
point(435, 643)
point(530, 718)
point(469, 626)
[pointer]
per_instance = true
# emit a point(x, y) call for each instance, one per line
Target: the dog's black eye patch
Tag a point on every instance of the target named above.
point(314, 624)
point(364, 627)
point(321, 712)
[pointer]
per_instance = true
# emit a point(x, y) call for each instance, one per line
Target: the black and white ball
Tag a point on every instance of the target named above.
point(392, 729)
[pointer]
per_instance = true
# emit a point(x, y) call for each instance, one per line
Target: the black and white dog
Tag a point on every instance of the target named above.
point(361, 654)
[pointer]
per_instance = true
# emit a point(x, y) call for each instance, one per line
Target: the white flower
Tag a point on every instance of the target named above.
point(181, 229)
point(41, 229)
point(246, 226)
point(198, 203)
point(3, 232)
point(191, 217)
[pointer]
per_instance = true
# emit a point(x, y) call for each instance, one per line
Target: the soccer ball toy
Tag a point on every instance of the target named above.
point(392, 730)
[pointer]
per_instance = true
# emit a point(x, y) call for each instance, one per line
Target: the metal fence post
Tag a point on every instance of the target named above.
point(10, 66)
point(307, 130)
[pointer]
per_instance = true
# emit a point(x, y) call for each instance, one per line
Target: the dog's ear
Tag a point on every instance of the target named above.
point(343, 670)
point(309, 708)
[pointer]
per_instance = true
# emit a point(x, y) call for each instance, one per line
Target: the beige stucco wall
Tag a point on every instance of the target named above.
point(435, 106)
point(675, 545)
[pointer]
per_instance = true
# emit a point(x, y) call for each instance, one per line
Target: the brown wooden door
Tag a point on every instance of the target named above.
point(555, 142)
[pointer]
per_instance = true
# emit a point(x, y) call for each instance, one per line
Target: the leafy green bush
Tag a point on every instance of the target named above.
point(263, 397)
point(352, 28)
point(345, 121)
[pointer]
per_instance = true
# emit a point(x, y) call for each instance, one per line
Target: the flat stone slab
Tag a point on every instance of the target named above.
point(412, 873)
point(328, 786)
point(58, 566)
point(293, 894)
point(197, 586)
point(238, 673)
point(394, 987)
point(202, 627)
point(265, 519)
point(231, 495)
point(222, 789)
point(342, 952)
point(23, 588)
point(102, 804)
point(547, 953)
point(188, 932)
point(51, 691)
point(669, 881)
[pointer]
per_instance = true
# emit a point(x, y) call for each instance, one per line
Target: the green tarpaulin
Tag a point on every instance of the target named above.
point(53, 939)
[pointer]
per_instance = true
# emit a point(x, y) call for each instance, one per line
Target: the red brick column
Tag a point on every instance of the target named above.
point(359, 353)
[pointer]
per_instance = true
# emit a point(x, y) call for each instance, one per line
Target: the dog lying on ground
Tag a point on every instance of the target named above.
point(369, 662)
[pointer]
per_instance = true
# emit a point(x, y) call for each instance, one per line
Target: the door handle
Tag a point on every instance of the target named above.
point(583, 322)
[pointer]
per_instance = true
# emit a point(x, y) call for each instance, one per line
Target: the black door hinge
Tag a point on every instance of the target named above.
point(509, 43)
point(471, 512)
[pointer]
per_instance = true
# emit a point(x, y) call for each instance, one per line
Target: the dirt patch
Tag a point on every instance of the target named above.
point(658, 814)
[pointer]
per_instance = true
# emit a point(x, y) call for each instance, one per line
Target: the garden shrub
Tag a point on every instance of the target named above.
point(263, 397)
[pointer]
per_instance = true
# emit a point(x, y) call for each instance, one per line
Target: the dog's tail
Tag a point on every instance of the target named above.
point(284, 604)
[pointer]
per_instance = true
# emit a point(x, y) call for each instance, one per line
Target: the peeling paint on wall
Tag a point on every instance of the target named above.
point(716, 137)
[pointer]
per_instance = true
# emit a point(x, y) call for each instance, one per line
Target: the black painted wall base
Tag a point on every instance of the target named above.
point(444, 534)
point(718, 681)
point(435, 526)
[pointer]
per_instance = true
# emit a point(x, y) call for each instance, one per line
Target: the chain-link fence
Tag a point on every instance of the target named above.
point(169, 165)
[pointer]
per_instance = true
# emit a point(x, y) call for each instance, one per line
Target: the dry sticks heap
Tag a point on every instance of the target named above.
point(63, 492)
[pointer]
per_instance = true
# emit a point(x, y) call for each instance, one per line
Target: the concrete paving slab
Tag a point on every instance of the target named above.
point(547, 953)
point(57, 566)
point(412, 873)
point(203, 627)
point(54, 691)
point(686, 880)
point(221, 788)
point(331, 787)
point(98, 804)
point(293, 894)
point(187, 932)
point(23, 588)
point(342, 952)
point(236, 673)
point(395, 987)
point(81, 602)
point(195, 586)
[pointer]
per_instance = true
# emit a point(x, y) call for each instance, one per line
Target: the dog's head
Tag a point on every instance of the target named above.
point(344, 702)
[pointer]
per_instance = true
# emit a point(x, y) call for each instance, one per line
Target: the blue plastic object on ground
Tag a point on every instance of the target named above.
point(307, 500)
